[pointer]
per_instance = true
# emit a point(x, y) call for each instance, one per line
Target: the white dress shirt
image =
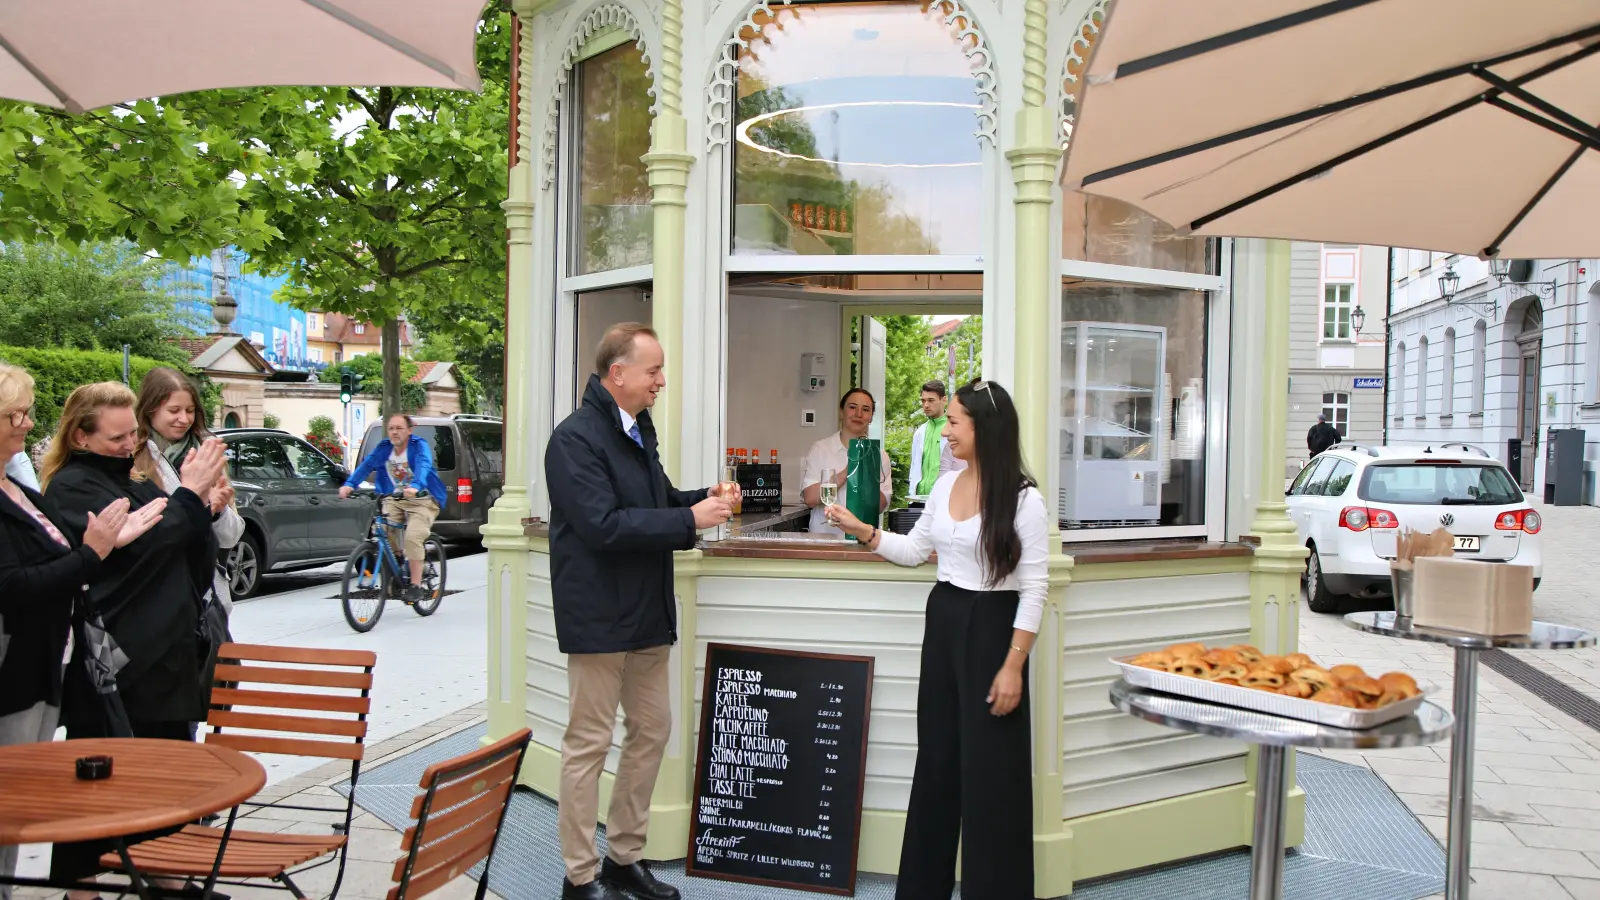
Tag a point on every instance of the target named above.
point(830, 453)
point(960, 557)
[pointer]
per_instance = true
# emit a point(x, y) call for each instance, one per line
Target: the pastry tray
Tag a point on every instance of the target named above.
point(1262, 701)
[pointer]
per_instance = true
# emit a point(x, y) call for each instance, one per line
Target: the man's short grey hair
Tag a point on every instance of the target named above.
point(617, 345)
point(1322, 417)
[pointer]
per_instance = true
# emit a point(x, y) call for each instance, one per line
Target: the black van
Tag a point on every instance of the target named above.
point(469, 454)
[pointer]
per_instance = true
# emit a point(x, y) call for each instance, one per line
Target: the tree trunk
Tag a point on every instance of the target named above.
point(391, 368)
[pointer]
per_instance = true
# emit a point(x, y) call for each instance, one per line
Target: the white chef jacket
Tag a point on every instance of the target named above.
point(947, 460)
point(830, 453)
point(960, 557)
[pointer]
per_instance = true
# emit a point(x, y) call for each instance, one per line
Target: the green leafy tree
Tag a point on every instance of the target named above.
point(441, 348)
point(371, 368)
point(387, 199)
point(90, 297)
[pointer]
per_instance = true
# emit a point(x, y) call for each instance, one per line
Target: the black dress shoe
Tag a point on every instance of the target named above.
point(636, 880)
point(594, 890)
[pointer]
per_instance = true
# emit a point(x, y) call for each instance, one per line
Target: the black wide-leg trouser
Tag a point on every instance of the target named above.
point(974, 778)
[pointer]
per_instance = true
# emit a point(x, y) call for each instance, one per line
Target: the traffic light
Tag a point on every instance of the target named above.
point(347, 385)
point(355, 383)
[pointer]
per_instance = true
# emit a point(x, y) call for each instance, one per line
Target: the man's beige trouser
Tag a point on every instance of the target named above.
point(596, 684)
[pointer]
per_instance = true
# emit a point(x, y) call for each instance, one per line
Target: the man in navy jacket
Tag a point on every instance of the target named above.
point(615, 520)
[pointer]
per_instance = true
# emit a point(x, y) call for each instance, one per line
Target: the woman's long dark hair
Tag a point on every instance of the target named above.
point(1002, 478)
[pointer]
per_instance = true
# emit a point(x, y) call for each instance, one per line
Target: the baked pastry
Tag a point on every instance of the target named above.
point(1233, 682)
point(1298, 689)
point(1337, 697)
point(1221, 657)
point(1277, 664)
point(1397, 686)
point(1249, 654)
point(1262, 678)
point(1234, 672)
point(1192, 666)
point(1317, 677)
point(1346, 672)
point(1160, 660)
point(1300, 660)
point(1182, 651)
point(1367, 690)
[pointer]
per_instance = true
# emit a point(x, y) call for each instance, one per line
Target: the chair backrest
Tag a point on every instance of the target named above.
point(340, 683)
point(459, 813)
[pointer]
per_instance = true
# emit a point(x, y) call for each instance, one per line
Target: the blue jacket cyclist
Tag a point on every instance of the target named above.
point(407, 461)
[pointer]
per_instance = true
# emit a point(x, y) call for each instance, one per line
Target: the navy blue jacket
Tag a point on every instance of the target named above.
point(418, 455)
point(615, 520)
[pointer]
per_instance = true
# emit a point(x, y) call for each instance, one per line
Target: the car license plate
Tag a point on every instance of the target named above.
point(1466, 543)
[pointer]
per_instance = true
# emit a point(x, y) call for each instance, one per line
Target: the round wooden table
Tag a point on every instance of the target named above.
point(153, 784)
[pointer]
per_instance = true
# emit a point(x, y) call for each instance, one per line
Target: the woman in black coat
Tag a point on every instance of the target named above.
point(149, 592)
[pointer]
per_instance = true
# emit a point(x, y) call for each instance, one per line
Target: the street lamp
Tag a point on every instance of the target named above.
point(1358, 319)
point(1450, 283)
point(1502, 272)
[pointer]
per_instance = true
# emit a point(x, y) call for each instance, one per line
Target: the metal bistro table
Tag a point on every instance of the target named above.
point(1544, 636)
point(1274, 735)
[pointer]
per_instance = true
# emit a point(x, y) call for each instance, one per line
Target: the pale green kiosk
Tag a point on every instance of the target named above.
point(763, 184)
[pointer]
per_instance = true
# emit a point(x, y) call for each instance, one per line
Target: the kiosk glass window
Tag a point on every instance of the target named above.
point(854, 134)
point(613, 222)
point(1103, 230)
point(1132, 406)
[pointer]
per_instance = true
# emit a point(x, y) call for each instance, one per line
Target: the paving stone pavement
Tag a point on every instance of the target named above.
point(1536, 829)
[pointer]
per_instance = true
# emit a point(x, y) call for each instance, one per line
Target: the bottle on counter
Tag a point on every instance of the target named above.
point(728, 459)
point(774, 457)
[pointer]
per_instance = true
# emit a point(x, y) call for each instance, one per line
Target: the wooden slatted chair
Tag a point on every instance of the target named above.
point(250, 713)
point(459, 813)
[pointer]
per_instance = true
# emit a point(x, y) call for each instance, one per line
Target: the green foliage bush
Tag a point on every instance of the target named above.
point(57, 373)
point(369, 366)
point(325, 437)
point(268, 420)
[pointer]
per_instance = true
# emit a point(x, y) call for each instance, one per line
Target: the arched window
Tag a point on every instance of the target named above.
point(1422, 376)
point(1480, 365)
point(1399, 393)
point(854, 134)
point(1447, 374)
point(612, 221)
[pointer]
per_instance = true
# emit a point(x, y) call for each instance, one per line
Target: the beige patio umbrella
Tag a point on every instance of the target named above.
point(1466, 126)
point(83, 54)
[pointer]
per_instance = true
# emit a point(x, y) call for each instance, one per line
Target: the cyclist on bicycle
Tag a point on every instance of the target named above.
point(404, 462)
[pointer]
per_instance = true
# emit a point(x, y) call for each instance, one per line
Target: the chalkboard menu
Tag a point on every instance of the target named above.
point(781, 762)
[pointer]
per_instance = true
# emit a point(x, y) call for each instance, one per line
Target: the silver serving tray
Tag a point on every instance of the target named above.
point(1262, 701)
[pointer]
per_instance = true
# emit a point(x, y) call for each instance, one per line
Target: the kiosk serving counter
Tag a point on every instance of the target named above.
point(767, 220)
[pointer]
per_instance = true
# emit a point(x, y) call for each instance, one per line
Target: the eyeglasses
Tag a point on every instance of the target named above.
point(981, 385)
point(20, 416)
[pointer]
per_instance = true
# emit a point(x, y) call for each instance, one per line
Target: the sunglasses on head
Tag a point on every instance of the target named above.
point(981, 385)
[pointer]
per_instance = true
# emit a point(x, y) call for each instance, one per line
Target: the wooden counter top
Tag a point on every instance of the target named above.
point(1098, 552)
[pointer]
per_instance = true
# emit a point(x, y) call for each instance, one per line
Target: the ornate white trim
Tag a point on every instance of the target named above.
point(719, 91)
point(1077, 57)
point(609, 15)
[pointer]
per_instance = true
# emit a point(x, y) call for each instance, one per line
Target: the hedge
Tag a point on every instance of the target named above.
point(57, 373)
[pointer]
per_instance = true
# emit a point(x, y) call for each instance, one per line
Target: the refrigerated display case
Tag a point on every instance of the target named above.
point(1113, 381)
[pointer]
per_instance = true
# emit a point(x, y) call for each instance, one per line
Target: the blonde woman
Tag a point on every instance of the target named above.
point(146, 592)
point(172, 423)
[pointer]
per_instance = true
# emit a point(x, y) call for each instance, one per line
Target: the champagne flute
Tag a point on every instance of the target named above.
point(829, 493)
point(729, 485)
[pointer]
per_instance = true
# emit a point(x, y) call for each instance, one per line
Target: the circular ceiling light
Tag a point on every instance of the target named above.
point(742, 133)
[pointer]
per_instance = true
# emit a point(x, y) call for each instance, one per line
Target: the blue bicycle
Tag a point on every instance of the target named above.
point(377, 571)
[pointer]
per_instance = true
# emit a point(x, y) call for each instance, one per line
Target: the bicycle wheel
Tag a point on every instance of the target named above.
point(363, 588)
point(432, 578)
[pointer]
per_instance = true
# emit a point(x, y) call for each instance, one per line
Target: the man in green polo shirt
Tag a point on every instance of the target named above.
point(930, 453)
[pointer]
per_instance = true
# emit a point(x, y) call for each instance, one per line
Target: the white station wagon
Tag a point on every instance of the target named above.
point(1350, 503)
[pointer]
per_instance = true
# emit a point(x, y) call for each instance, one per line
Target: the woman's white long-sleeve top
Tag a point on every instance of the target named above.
point(959, 547)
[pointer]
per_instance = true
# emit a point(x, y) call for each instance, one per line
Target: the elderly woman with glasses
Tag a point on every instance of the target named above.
point(42, 573)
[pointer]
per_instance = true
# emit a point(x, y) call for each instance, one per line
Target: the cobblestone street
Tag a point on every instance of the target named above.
point(1536, 829)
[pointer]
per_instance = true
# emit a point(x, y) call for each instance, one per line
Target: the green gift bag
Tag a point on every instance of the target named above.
point(861, 491)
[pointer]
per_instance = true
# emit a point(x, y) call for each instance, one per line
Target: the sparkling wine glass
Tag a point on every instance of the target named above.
point(829, 492)
point(729, 485)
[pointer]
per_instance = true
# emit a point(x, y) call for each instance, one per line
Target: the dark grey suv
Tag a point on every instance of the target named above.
point(468, 452)
point(288, 494)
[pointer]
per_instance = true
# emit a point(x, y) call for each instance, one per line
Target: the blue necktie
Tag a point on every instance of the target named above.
point(633, 432)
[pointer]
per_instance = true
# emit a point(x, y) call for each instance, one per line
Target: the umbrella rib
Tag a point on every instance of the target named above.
point(71, 105)
point(1493, 249)
point(1489, 97)
point(1372, 96)
point(1539, 103)
point(384, 37)
point(1583, 138)
point(1238, 36)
